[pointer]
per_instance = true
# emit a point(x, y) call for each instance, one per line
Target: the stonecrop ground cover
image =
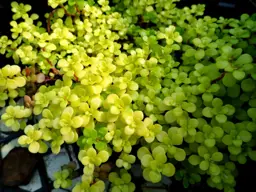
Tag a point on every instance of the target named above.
point(111, 75)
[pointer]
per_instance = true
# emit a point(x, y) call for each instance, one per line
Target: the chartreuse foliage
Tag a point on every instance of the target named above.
point(111, 75)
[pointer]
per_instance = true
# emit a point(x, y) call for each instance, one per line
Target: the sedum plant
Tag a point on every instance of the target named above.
point(63, 178)
point(167, 87)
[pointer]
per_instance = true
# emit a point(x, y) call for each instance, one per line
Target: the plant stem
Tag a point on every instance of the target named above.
point(49, 61)
point(76, 78)
point(66, 12)
point(219, 78)
point(49, 21)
